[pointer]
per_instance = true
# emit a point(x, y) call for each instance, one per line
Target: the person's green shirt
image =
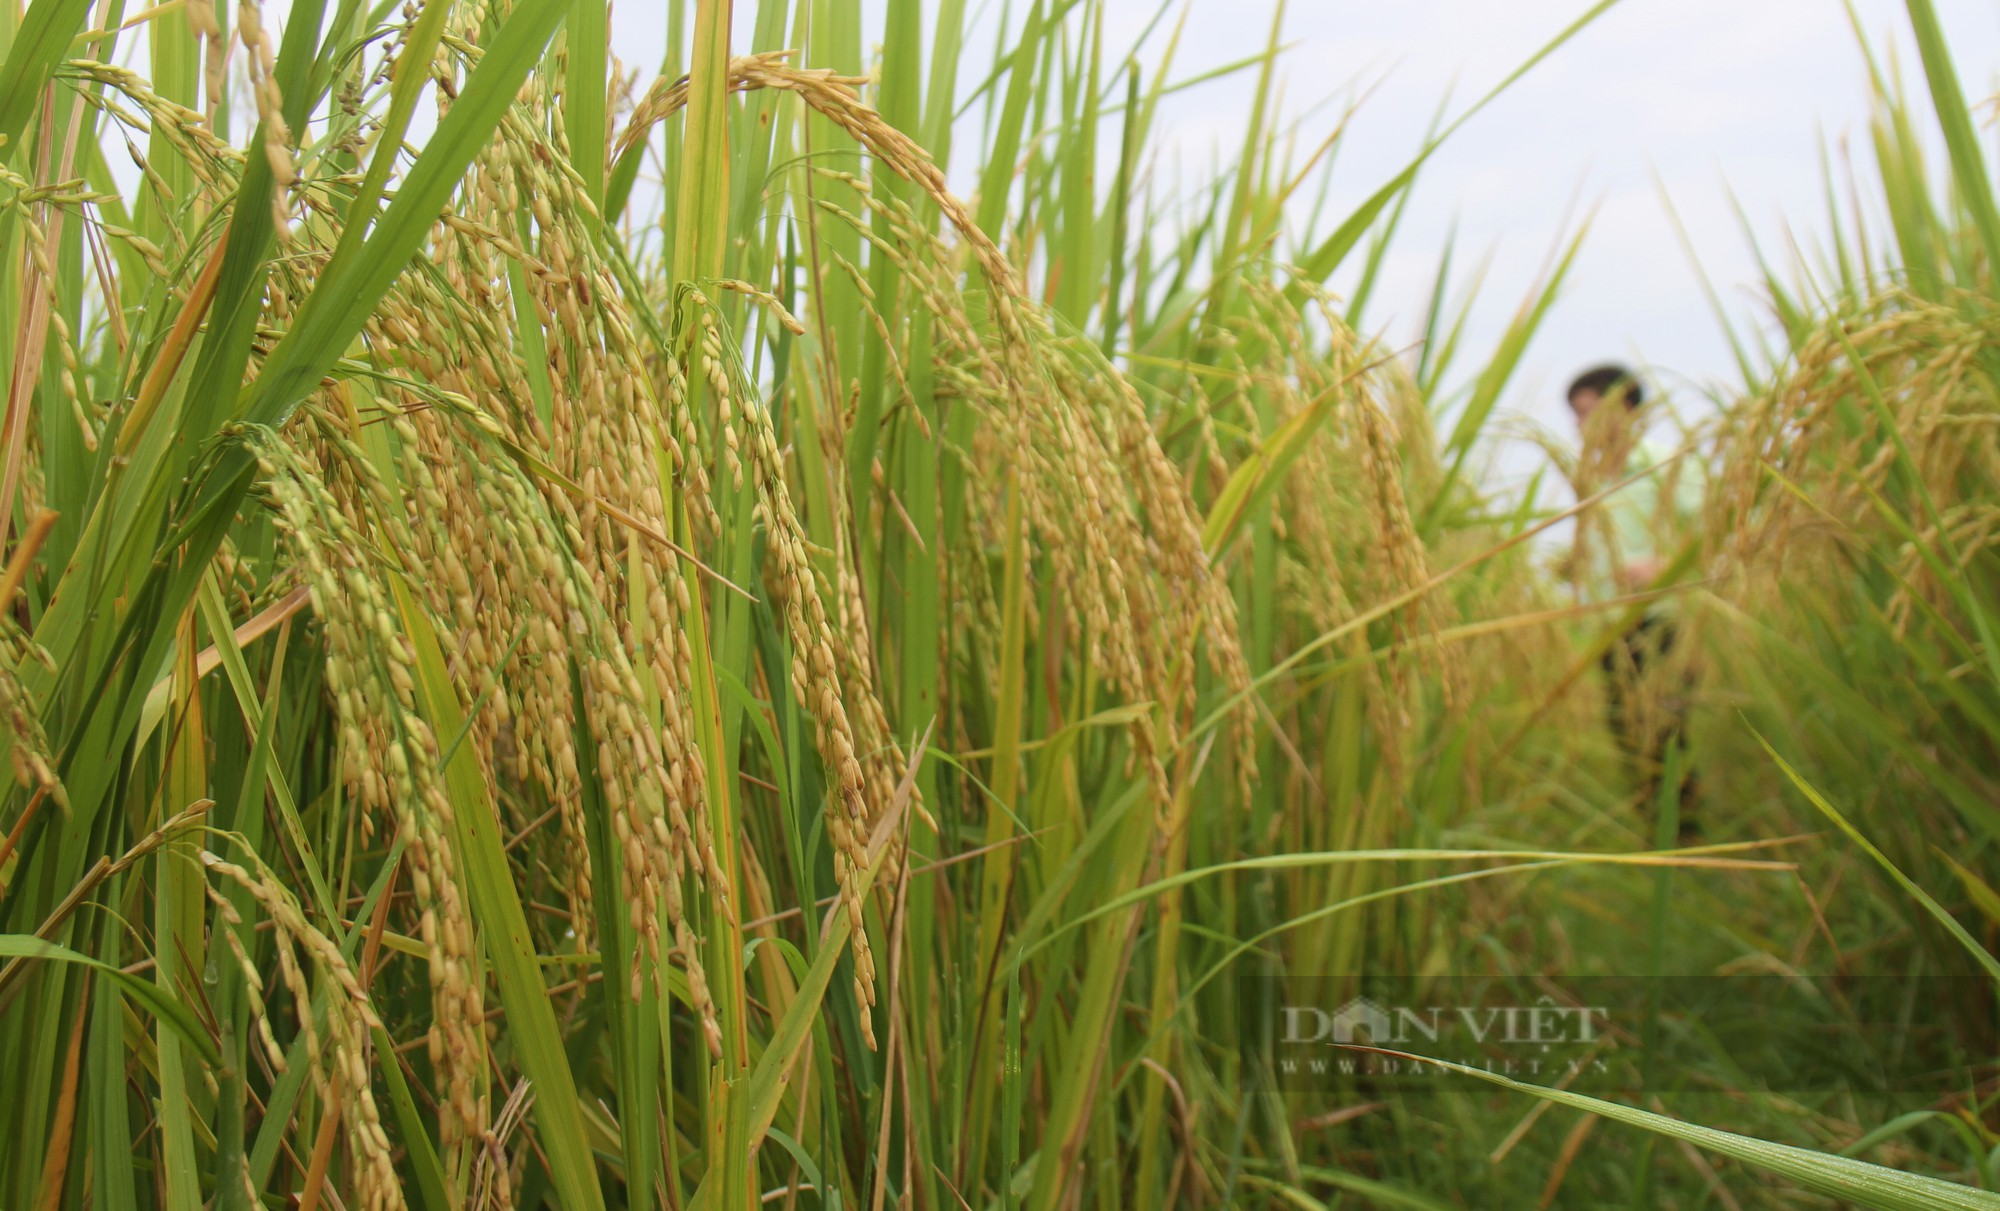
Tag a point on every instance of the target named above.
point(1628, 538)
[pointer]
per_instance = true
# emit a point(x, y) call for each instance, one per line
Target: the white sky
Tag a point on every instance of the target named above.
point(1707, 96)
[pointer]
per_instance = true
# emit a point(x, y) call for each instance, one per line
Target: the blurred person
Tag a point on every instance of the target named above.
point(1620, 554)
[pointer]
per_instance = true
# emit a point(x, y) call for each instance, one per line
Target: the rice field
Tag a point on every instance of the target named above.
point(592, 635)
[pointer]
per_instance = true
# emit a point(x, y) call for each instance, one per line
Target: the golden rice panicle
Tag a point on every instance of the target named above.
point(260, 62)
point(202, 24)
point(495, 577)
point(880, 752)
point(554, 598)
point(36, 208)
point(520, 547)
point(1348, 541)
point(715, 374)
point(215, 164)
point(339, 1064)
point(499, 594)
point(877, 750)
point(1922, 358)
point(1200, 603)
point(666, 653)
point(683, 446)
point(815, 683)
point(608, 426)
point(1072, 456)
point(554, 571)
point(388, 752)
point(28, 752)
point(1081, 462)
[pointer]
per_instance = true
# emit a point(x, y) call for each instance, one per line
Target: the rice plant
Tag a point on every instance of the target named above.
point(587, 636)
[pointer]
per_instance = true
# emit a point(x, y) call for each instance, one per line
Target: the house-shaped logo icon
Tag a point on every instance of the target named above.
point(1363, 1014)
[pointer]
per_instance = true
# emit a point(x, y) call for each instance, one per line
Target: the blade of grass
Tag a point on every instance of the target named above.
point(1930, 905)
point(1837, 1177)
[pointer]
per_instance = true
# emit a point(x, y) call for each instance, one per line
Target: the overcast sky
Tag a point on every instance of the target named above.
point(1707, 96)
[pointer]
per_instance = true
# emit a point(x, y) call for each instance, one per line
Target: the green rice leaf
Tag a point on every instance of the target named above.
point(1820, 1172)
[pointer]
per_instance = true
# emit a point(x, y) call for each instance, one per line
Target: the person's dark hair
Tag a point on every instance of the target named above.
point(1607, 379)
